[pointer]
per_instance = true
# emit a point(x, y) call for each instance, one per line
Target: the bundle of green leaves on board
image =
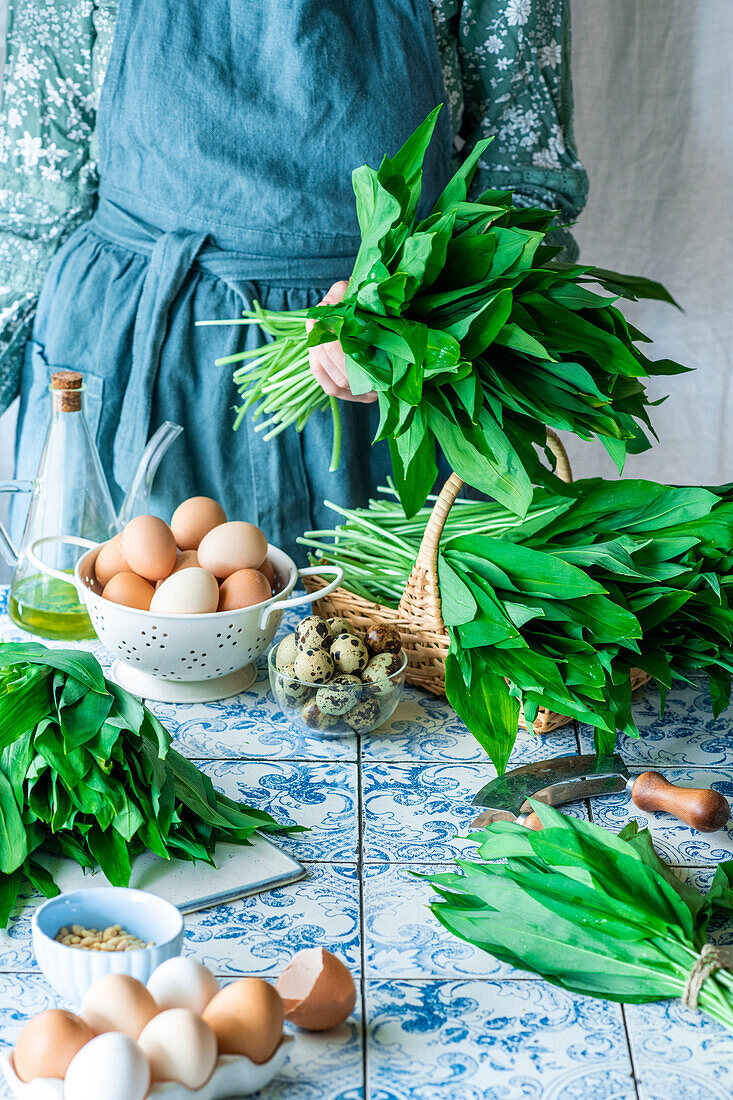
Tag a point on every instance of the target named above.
point(473, 335)
point(87, 773)
point(606, 577)
point(592, 912)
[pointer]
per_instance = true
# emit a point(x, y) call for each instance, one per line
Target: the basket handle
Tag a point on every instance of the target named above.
point(423, 587)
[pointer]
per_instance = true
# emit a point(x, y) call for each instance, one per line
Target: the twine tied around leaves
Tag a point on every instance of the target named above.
point(710, 959)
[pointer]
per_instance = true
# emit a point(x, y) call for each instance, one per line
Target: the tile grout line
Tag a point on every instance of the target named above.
point(362, 918)
point(634, 1078)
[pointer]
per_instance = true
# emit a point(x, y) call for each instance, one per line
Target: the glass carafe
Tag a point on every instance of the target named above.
point(69, 496)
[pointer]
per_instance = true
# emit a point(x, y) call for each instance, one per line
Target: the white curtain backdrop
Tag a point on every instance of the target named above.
point(654, 125)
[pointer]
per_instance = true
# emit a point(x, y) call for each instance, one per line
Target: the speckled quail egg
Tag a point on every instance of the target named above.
point(286, 652)
point(315, 719)
point(289, 692)
point(313, 665)
point(341, 626)
point(313, 632)
point(379, 670)
point(383, 638)
point(339, 695)
point(349, 654)
point(364, 716)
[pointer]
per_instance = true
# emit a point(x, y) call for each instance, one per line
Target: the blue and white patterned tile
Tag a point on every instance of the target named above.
point(427, 728)
point(16, 949)
point(679, 1053)
point(259, 935)
point(676, 842)
point(486, 1040)
point(320, 796)
point(421, 812)
point(402, 938)
point(247, 725)
point(686, 735)
point(21, 997)
point(325, 1066)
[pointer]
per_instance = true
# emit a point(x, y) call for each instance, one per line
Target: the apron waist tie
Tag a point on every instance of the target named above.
point(170, 261)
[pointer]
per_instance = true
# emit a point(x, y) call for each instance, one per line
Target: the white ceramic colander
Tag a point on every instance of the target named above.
point(183, 658)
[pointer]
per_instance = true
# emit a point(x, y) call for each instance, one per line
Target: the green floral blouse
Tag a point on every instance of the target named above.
point(506, 71)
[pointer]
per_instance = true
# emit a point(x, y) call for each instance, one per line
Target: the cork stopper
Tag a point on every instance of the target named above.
point(67, 386)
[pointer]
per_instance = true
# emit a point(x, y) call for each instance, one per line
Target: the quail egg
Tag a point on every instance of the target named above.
point(287, 651)
point(315, 719)
point(338, 695)
point(349, 654)
point(289, 692)
point(314, 665)
point(313, 632)
point(383, 638)
point(340, 626)
point(379, 671)
point(364, 716)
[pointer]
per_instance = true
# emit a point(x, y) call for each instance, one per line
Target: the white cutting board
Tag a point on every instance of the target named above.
point(241, 870)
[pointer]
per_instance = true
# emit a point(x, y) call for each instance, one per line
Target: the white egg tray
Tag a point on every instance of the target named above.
point(232, 1078)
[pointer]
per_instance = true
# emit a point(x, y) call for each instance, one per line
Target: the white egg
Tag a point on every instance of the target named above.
point(180, 1047)
point(182, 983)
point(190, 592)
point(113, 1066)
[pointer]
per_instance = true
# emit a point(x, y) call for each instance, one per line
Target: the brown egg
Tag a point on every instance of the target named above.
point(195, 518)
point(317, 990)
point(269, 570)
point(48, 1043)
point(243, 589)
point(382, 638)
point(232, 546)
point(129, 590)
point(118, 1002)
point(247, 1018)
point(110, 561)
point(187, 559)
point(149, 547)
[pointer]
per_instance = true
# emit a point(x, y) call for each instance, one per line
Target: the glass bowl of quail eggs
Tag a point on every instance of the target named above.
point(333, 679)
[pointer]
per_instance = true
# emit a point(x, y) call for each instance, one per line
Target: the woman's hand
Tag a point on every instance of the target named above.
point(327, 361)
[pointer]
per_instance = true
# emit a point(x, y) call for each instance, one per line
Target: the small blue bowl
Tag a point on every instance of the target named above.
point(71, 970)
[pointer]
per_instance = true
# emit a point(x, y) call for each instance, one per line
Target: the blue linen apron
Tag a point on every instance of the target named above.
point(228, 131)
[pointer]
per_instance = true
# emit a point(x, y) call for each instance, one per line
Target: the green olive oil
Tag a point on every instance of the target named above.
point(50, 608)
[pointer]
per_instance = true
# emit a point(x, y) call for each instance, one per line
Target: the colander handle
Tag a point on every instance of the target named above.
point(309, 597)
point(32, 555)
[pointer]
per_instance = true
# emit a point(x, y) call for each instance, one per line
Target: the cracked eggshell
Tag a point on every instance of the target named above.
point(247, 1018)
point(182, 982)
point(180, 1047)
point(192, 591)
point(317, 990)
point(112, 1063)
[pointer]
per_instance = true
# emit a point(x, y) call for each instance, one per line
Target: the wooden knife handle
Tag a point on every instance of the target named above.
point(703, 809)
